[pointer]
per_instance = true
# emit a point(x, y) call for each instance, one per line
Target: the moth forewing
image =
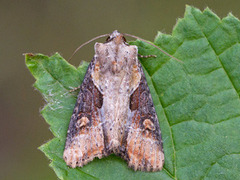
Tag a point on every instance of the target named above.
point(114, 112)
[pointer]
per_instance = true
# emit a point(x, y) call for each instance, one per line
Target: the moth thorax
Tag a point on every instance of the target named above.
point(117, 67)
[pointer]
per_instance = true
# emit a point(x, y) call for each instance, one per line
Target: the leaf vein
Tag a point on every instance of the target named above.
point(216, 161)
point(56, 80)
point(217, 56)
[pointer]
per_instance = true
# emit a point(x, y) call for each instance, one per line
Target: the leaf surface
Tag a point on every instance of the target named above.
point(197, 102)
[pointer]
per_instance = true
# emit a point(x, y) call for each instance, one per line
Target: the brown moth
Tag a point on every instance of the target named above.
point(114, 112)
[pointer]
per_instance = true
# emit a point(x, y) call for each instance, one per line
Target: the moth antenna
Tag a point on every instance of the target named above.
point(93, 39)
point(130, 35)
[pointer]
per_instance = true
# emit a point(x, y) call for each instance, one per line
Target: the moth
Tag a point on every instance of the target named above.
point(114, 112)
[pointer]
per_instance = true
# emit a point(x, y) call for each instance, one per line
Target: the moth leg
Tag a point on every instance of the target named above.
point(75, 89)
point(147, 56)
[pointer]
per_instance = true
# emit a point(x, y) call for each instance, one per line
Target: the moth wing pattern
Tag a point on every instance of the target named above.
point(143, 146)
point(114, 112)
point(85, 139)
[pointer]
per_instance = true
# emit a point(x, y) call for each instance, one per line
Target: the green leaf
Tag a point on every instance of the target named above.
point(197, 102)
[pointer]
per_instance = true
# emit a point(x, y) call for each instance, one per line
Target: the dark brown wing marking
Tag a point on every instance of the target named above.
point(143, 146)
point(85, 139)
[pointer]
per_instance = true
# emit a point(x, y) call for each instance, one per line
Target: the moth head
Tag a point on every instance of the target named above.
point(117, 37)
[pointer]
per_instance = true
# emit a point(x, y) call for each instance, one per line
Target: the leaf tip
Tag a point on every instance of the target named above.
point(188, 9)
point(187, 6)
point(56, 54)
point(28, 54)
point(207, 9)
point(42, 147)
point(159, 34)
point(230, 15)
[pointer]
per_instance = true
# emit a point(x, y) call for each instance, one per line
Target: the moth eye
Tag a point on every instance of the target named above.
point(124, 39)
point(148, 124)
point(108, 39)
point(82, 122)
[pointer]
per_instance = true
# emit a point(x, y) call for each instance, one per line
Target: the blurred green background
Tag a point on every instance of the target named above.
point(60, 26)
